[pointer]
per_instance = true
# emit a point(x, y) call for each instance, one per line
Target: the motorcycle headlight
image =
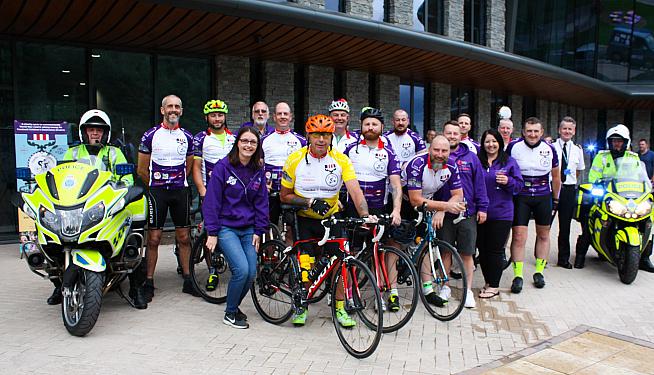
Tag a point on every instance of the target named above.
point(71, 222)
point(643, 208)
point(93, 215)
point(49, 219)
point(617, 208)
point(117, 207)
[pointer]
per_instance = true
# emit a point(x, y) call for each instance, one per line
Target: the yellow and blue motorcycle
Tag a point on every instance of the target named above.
point(620, 216)
point(89, 235)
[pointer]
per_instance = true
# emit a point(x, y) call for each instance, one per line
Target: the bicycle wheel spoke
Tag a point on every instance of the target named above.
point(270, 290)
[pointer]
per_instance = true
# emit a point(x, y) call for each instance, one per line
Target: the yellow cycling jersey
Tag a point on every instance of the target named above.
point(312, 177)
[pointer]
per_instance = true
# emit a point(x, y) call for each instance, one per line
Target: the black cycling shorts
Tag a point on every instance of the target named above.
point(540, 206)
point(160, 200)
point(309, 228)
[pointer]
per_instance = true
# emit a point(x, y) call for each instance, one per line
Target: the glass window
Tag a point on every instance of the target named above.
point(642, 49)
point(8, 219)
point(335, 5)
point(190, 79)
point(6, 86)
point(497, 101)
point(475, 21)
point(463, 101)
point(615, 28)
point(378, 10)
point(412, 100)
point(51, 82)
point(434, 10)
point(122, 87)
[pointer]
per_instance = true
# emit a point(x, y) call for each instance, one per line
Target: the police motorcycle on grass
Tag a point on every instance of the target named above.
point(620, 217)
point(89, 235)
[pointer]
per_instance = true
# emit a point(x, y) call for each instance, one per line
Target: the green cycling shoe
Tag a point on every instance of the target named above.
point(299, 319)
point(212, 282)
point(344, 319)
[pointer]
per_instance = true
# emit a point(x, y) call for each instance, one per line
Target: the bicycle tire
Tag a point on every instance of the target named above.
point(273, 283)
point(406, 276)
point(365, 305)
point(458, 287)
point(199, 271)
point(273, 233)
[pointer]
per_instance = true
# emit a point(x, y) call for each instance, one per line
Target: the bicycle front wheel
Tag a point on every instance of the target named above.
point(271, 291)
point(397, 272)
point(210, 272)
point(358, 320)
point(447, 295)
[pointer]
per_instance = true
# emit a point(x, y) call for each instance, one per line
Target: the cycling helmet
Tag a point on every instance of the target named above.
point(215, 106)
point(319, 124)
point(95, 118)
point(372, 112)
point(405, 233)
point(339, 105)
point(618, 131)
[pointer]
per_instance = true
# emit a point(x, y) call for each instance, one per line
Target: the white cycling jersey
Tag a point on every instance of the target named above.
point(209, 148)
point(168, 149)
point(277, 146)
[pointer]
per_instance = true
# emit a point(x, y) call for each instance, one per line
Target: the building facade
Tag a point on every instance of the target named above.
point(590, 59)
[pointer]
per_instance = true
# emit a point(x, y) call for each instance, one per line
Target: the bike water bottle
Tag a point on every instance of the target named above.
point(305, 264)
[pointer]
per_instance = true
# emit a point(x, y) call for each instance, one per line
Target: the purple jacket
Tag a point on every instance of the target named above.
point(237, 197)
point(472, 181)
point(501, 196)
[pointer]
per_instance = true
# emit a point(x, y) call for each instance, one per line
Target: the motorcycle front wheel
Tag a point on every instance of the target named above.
point(81, 304)
point(628, 264)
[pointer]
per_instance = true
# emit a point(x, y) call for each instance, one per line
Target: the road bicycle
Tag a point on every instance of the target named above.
point(284, 287)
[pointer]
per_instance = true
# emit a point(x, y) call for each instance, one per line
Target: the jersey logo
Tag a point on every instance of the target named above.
point(330, 168)
point(379, 166)
point(331, 180)
point(545, 159)
point(231, 180)
point(181, 145)
point(405, 149)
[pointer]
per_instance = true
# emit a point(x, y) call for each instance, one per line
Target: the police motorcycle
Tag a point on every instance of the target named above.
point(620, 216)
point(89, 232)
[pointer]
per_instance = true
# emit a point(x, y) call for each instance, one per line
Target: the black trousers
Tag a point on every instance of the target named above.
point(491, 238)
point(567, 204)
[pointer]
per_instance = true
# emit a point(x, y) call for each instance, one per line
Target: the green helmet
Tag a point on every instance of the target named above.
point(215, 106)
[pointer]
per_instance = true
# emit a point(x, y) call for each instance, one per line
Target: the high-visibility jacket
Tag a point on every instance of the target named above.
point(105, 160)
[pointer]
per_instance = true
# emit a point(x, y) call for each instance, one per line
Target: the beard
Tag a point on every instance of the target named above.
point(260, 122)
point(371, 135)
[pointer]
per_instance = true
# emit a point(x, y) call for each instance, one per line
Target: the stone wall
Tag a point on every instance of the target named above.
point(641, 128)
point(319, 89)
point(388, 92)
point(356, 93)
point(233, 87)
point(359, 8)
point(311, 3)
point(482, 118)
point(280, 85)
point(516, 114)
point(400, 12)
point(495, 26)
point(453, 20)
point(441, 95)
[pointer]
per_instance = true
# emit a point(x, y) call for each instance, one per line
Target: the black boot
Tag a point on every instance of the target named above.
point(56, 296)
point(583, 241)
point(138, 297)
point(645, 263)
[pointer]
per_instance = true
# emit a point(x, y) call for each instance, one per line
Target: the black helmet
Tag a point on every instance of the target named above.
point(372, 112)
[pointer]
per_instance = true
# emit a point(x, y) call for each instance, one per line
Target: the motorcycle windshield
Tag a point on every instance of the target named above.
point(631, 179)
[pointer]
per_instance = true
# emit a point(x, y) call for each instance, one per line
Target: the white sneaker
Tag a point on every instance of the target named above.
point(470, 300)
point(445, 293)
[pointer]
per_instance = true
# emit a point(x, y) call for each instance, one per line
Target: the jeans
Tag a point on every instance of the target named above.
point(236, 245)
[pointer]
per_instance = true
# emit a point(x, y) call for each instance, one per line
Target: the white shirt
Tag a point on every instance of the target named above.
point(575, 160)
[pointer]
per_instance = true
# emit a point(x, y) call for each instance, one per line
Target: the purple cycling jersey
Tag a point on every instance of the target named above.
point(168, 150)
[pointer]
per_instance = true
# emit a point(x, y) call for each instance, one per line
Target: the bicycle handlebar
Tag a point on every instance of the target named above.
point(349, 221)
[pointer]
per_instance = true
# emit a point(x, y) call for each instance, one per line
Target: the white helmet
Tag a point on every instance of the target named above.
point(339, 105)
point(618, 131)
point(95, 118)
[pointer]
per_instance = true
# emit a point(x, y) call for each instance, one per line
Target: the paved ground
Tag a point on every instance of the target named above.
point(180, 334)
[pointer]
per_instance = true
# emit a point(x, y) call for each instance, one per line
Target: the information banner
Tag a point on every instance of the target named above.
point(39, 145)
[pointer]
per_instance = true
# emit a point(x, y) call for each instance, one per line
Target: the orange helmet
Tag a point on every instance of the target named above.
point(319, 124)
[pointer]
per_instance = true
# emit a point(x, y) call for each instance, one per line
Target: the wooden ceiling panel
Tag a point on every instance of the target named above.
point(159, 26)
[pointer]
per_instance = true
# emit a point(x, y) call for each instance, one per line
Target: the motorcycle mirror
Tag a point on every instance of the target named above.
point(134, 193)
point(124, 169)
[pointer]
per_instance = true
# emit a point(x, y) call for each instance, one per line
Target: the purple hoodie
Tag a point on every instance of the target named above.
point(472, 181)
point(237, 197)
point(501, 196)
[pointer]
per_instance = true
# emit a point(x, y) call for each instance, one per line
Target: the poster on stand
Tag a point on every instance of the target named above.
point(39, 145)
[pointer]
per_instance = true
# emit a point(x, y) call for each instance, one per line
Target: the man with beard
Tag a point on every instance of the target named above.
point(426, 174)
point(339, 111)
point(465, 124)
point(463, 234)
point(277, 146)
point(405, 142)
point(374, 162)
point(260, 115)
point(209, 146)
point(165, 161)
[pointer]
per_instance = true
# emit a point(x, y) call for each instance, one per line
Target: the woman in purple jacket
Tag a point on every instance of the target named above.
point(235, 211)
point(503, 181)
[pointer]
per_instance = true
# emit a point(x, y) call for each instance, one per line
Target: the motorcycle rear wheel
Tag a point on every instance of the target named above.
point(628, 264)
point(80, 309)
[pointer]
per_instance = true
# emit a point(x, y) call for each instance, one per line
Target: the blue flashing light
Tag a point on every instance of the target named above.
point(590, 147)
point(124, 169)
point(597, 192)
